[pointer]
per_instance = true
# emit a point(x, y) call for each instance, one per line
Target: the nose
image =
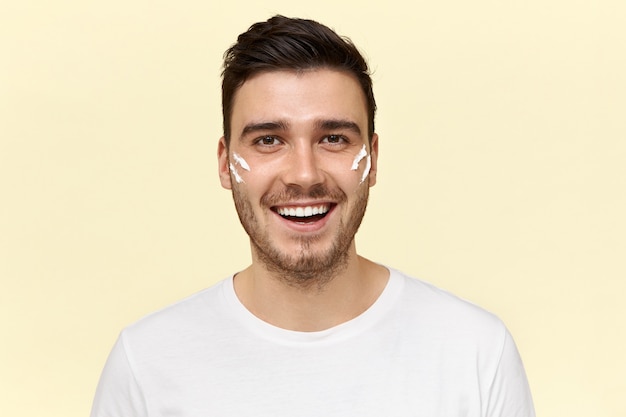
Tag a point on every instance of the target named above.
point(303, 168)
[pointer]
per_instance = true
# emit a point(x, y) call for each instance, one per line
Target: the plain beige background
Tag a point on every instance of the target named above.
point(501, 177)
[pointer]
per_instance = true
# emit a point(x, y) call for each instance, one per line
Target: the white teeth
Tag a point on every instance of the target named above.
point(307, 211)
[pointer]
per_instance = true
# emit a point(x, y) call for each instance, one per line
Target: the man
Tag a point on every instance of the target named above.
point(309, 328)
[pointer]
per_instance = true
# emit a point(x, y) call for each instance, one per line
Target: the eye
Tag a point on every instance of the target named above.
point(267, 141)
point(335, 140)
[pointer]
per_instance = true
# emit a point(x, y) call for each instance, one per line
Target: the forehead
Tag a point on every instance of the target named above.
point(299, 97)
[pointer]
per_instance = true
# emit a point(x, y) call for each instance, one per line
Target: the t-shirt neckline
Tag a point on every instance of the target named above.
point(348, 329)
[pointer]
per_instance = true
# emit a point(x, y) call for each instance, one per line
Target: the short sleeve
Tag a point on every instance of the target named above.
point(509, 395)
point(118, 393)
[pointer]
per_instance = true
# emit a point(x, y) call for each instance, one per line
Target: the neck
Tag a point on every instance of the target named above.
point(316, 304)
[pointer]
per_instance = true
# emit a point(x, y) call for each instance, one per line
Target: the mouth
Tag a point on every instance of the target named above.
point(304, 214)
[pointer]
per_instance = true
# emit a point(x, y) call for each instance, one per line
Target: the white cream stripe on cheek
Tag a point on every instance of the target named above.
point(362, 154)
point(368, 162)
point(233, 170)
point(368, 166)
point(242, 163)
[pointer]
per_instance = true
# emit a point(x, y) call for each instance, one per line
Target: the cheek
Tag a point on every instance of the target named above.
point(362, 164)
point(235, 173)
point(343, 176)
point(366, 169)
point(238, 166)
point(346, 171)
point(259, 180)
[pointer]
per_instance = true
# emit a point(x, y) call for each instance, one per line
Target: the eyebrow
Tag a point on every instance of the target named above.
point(263, 127)
point(334, 124)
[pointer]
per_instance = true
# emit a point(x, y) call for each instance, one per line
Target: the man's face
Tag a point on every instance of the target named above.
point(298, 165)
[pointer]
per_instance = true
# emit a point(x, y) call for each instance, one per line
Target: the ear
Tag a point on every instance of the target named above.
point(223, 164)
point(374, 156)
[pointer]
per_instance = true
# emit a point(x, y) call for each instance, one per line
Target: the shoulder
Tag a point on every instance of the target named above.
point(441, 312)
point(185, 317)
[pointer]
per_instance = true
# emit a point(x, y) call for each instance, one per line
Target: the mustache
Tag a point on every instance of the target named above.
point(293, 193)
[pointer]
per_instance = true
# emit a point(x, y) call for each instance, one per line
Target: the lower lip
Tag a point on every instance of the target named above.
point(311, 227)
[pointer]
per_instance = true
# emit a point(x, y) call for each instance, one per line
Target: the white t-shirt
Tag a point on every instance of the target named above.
point(417, 351)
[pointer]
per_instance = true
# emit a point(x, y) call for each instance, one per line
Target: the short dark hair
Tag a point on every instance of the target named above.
point(283, 43)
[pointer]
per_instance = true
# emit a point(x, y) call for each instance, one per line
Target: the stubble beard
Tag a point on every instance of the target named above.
point(304, 269)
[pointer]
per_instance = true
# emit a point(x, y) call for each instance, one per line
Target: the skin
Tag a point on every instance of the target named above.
point(300, 132)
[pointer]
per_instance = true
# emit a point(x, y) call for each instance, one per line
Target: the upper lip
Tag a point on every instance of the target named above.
point(296, 204)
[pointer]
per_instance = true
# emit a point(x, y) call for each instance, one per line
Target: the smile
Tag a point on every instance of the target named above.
point(304, 213)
